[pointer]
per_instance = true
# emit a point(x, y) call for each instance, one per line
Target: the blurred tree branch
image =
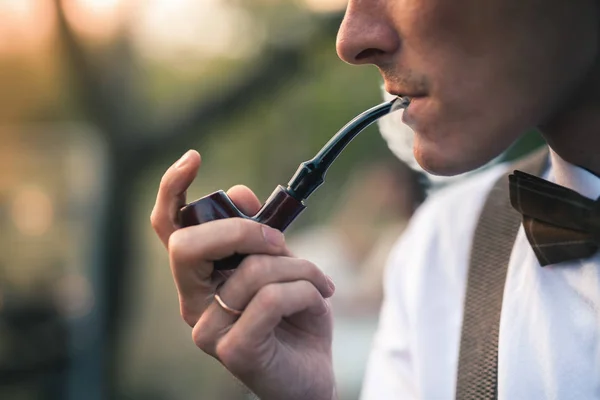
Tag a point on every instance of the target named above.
point(113, 106)
point(93, 89)
point(135, 141)
point(276, 67)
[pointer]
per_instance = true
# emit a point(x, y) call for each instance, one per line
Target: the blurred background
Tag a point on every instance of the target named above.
point(97, 99)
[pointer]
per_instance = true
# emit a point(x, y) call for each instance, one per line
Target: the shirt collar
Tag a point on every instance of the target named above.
point(573, 177)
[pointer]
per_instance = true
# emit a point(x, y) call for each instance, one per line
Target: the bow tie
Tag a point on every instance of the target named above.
point(560, 224)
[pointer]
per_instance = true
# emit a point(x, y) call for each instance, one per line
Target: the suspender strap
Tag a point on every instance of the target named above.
point(492, 246)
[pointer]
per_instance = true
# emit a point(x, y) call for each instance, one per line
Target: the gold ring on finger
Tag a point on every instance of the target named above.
point(225, 307)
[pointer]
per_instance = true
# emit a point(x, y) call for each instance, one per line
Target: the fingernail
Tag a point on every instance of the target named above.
point(272, 236)
point(330, 283)
point(183, 160)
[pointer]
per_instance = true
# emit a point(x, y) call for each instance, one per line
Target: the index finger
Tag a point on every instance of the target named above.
point(171, 194)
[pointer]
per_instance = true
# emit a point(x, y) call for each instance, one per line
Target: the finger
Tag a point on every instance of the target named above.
point(219, 239)
point(171, 194)
point(265, 312)
point(192, 250)
point(277, 301)
point(253, 274)
point(244, 199)
point(247, 202)
point(258, 271)
point(211, 325)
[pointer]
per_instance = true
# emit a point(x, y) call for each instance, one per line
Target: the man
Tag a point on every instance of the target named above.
point(480, 74)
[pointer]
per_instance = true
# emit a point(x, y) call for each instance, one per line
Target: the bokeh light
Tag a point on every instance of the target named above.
point(73, 295)
point(193, 29)
point(99, 19)
point(26, 25)
point(326, 5)
point(32, 211)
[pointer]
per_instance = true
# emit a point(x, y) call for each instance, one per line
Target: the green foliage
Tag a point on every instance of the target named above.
point(524, 145)
point(263, 146)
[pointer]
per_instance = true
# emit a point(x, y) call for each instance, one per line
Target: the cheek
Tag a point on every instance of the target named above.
point(439, 26)
point(452, 49)
point(488, 83)
point(451, 141)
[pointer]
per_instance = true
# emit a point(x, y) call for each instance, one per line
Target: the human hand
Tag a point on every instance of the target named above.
point(280, 344)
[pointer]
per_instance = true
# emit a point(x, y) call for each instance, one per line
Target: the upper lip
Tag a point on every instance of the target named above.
point(405, 93)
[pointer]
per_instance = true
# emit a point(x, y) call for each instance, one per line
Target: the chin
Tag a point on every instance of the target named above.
point(438, 165)
point(447, 158)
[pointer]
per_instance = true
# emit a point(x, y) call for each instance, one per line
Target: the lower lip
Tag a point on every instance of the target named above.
point(414, 109)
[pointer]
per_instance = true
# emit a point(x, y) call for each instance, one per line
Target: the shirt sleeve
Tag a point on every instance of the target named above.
point(429, 261)
point(389, 373)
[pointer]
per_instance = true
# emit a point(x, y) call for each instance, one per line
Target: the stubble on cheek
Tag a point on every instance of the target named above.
point(461, 47)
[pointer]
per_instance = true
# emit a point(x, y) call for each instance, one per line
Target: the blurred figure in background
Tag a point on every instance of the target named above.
point(351, 247)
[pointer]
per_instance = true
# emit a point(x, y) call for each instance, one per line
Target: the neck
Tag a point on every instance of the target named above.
point(574, 133)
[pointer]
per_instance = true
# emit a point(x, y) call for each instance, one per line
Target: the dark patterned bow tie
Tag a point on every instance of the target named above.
point(560, 224)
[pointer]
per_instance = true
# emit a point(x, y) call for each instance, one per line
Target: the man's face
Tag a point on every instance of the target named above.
point(482, 72)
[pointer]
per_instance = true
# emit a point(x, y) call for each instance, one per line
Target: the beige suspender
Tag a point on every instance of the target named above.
point(492, 246)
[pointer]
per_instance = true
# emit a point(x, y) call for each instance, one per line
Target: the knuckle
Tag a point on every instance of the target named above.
point(202, 339)
point(269, 297)
point(254, 266)
point(232, 353)
point(155, 219)
point(177, 242)
point(313, 273)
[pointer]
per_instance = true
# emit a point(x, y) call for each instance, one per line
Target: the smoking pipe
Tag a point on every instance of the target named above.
point(285, 203)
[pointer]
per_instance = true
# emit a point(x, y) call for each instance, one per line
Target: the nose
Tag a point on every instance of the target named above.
point(367, 36)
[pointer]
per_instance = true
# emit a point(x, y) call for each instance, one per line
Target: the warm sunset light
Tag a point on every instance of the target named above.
point(32, 211)
point(166, 29)
point(99, 19)
point(26, 25)
point(326, 5)
point(193, 29)
point(98, 6)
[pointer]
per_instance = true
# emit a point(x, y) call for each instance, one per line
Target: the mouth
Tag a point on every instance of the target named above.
point(404, 92)
point(409, 97)
point(407, 94)
point(414, 111)
point(417, 102)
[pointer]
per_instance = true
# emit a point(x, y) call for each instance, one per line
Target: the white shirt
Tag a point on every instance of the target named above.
point(549, 343)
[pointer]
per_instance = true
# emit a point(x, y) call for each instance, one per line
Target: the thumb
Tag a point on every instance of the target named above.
point(248, 203)
point(244, 199)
